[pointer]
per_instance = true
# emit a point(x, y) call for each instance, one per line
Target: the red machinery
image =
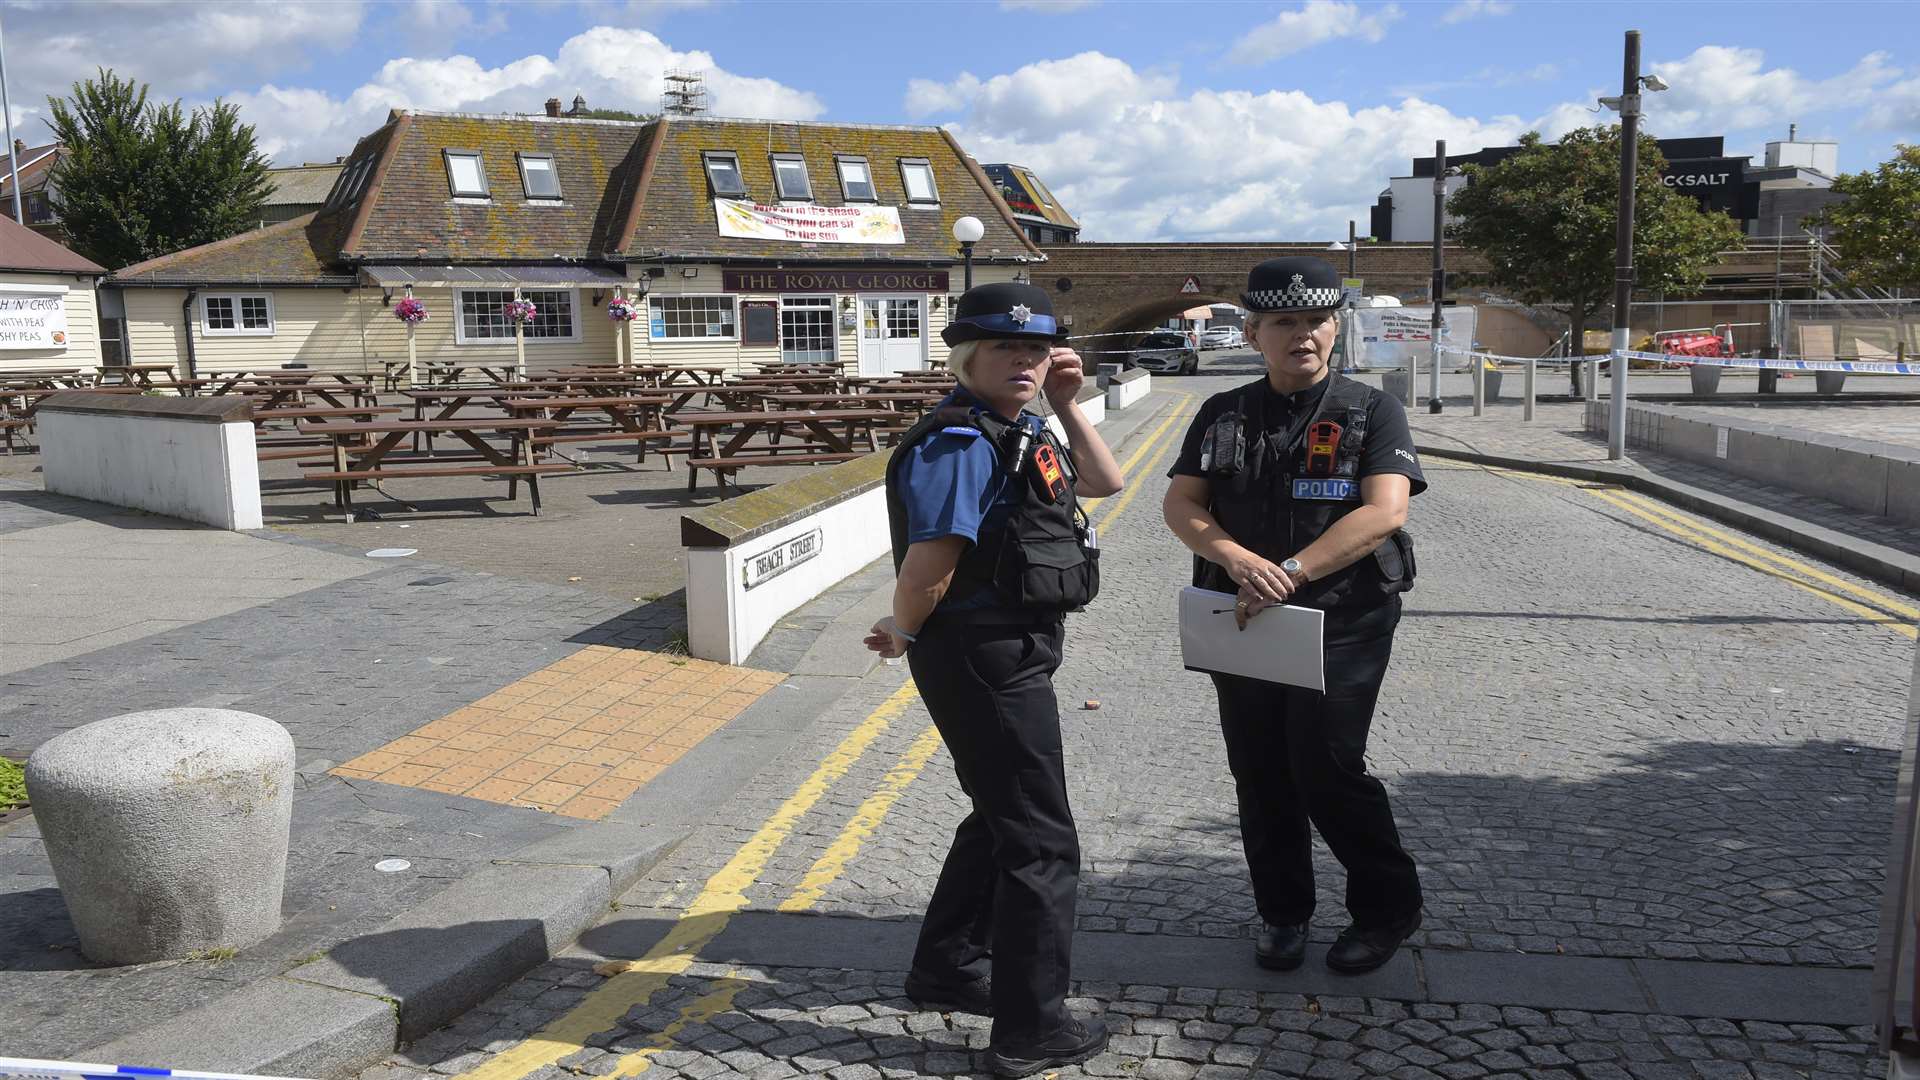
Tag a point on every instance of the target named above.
point(1713, 341)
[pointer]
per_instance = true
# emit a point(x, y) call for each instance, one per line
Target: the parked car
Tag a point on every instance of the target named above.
point(1223, 337)
point(1167, 351)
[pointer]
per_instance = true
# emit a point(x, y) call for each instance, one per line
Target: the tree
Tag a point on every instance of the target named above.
point(1545, 220)
point(1877, 229)
point(138, 180)
point(612, 114)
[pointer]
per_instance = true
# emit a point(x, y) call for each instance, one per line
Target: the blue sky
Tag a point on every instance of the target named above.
point(1151, 120)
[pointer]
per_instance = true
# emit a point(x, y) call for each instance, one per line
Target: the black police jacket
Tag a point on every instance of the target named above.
point(1038, 560)
point(1275, 496)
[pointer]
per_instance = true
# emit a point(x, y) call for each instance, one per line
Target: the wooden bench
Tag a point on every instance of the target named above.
point(370, 443)
point(11, 424)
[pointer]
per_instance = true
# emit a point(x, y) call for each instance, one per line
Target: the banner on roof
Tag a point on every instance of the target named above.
point(809, 224)
point(1390, 337)
point(33, 318)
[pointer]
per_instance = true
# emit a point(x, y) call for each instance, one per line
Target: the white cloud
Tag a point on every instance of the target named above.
point(612, 68)
point(1473, 9)
point(1717, 88)
point(928, 98)
point(1136, 157)
point(1896, 109)
point(1318, 22)
point(1046, 7)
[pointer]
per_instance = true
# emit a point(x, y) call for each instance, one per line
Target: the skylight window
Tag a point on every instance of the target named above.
point(856, 183)
point(539, 177)
point(466, 177)
point(917, 174)
point(723, 174)
point(790, 177)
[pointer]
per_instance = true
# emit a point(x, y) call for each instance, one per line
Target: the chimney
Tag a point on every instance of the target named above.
point(1793, 131)
point(553, 106)
point(579, 105)
point(19, 147)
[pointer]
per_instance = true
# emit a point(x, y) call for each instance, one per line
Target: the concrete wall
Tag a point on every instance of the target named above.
point(1873, 477)
point(186, 458)
point(1129, 387)
point(82, 349)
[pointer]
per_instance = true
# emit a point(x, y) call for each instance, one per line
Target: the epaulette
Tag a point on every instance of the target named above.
point(954, 420)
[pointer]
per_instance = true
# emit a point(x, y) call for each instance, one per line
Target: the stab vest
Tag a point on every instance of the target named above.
point(1038, 560)
point(1263, 494)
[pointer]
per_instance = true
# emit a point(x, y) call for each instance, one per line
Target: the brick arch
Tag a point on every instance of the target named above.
point(1149, 313)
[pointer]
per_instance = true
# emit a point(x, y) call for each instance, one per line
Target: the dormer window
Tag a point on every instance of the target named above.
point(538, 176)
point(917, 175)
point(790, 177)
point(466, 178)
point(723, 174)
point(856, 183)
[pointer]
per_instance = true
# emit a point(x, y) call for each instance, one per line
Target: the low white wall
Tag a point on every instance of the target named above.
point(1093, 405)
point(187, 468)
point(736, 594)
point(1122, 395)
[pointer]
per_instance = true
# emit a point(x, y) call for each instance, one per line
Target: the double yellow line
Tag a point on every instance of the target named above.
point(634, 982)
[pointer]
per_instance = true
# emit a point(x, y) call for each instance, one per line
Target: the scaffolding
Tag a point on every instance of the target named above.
point(685, 93)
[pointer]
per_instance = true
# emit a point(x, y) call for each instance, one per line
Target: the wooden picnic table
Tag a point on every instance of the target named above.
point(52, 378)
point(362, 451)
point(444, 373)
point(887, 399)
point(638, 419)
point(139, 376)
point(738, 451)
point(273, 446)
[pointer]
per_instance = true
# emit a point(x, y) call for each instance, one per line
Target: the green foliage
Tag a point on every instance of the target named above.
point(1877, 230)
point(1545, 220)
point(13, 785)
point(612, 114)
point(139, 180)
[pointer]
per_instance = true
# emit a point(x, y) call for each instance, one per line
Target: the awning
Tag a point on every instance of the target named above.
point(508, 276)
point(1202, 312)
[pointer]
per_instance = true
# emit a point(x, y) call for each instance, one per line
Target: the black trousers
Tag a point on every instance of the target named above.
point(1004, 903)
point(1299, 757)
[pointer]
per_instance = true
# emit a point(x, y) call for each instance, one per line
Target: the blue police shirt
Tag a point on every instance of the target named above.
point(952, 485)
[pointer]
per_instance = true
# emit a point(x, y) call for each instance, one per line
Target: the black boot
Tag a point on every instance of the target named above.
point(1365, 948)
point(1280, 948)
point(1072, 1044)
point(934, 995)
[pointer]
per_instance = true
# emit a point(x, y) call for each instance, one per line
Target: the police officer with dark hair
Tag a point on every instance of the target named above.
point(991, 550)
point(1293, 489)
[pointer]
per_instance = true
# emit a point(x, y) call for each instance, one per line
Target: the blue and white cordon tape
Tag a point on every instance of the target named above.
point(34, 1069)
point(1857, 367)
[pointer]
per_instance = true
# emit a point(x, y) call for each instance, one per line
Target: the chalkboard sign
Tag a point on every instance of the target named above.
point(760, 322)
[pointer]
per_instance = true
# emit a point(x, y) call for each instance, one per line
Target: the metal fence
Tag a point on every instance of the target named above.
point(1871, 330)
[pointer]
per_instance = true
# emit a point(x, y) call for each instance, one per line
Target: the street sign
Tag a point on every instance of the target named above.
point(1350, 288)
point(1192, 284)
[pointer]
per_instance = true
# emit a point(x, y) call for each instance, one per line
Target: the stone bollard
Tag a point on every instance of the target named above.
point(167, 830)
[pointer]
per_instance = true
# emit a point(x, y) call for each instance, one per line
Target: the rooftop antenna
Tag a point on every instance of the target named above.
point(685, 94)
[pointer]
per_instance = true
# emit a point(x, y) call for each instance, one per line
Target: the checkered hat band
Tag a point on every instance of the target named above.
point(1293, 299)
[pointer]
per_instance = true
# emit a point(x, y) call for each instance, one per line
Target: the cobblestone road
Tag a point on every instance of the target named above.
point(1607, 733)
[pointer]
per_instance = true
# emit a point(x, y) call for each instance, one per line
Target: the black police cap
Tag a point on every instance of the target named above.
point(1295, 283)
point(1004, 309)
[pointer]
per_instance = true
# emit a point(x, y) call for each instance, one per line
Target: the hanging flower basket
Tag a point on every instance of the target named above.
point(410, 310)
point(621, 309)
point(521, 311)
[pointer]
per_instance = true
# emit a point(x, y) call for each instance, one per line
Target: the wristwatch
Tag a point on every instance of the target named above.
point(1294, 570)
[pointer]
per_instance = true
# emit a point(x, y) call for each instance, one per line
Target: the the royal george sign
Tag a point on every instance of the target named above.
point(854, 280)
point(33, 318)
point(762, 567)
point(809, 224)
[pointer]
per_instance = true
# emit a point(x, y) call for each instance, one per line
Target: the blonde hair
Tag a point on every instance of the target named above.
point(958, 359)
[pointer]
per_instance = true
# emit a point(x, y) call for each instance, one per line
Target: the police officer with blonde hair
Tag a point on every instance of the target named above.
point(991, 551)
point(1293, 489)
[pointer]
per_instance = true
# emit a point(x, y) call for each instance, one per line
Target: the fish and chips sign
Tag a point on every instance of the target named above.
point(33, 319)
point(809, 224)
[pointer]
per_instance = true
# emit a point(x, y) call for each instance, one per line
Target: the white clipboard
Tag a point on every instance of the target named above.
point(1282, 644)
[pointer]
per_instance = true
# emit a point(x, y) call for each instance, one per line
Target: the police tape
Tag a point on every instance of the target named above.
point(1858, 367)
point(35, 1069)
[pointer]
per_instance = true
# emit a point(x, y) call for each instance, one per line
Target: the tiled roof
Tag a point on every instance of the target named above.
point(676, 214)
point(280, 254)
point(35, 164)
point(23, 249)
point(1029, 196)
point(411, 212)
point(302, 185)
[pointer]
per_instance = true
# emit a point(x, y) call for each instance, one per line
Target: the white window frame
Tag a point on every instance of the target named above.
point(240, 329)
point(553, 168)
point(733, 298)
point(460, 336)
point(840, 163)
point(816, 302)
point(707, 158)
point(932, 182)
point(453, 188)
point(774, 161)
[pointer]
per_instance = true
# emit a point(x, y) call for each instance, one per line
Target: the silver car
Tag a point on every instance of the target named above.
point(1166, 352)
point(1222, 337)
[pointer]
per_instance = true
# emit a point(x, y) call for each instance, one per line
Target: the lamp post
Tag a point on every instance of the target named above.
point(1439, 272)
point(1628, 105)
point(968, 231)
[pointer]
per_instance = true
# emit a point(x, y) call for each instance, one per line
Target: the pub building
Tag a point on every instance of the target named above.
point(736, 242)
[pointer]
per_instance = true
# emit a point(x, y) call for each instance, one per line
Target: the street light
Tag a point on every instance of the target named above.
point(968, 231)
point(1628, 105)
